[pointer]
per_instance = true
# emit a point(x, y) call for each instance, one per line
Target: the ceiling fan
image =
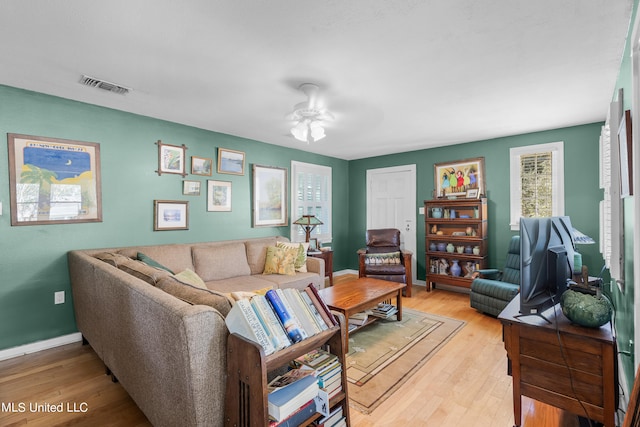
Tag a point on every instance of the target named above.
point(309, 116)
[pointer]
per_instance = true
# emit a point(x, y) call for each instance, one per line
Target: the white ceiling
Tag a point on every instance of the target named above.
point(398, 75)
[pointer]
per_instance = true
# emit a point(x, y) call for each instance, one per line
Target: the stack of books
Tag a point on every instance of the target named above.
point(334, 419)
point(384, 310)
point(293, 402)
point(280, 318)
point(326, 367)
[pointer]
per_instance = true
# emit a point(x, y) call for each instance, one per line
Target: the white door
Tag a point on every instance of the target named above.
point(391, 198)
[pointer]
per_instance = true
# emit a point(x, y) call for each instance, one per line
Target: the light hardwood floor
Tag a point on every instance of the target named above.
point(464, 384)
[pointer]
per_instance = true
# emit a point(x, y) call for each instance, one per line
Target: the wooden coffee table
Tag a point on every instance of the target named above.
point(362, 294)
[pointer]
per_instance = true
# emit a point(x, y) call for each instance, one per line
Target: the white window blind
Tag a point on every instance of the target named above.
point(311, 195)
point(537, 181)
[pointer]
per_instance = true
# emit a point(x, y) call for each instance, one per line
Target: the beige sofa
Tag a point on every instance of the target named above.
point(164, 339)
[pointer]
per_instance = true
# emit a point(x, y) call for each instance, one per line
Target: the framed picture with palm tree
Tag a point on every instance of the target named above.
point(53, 181)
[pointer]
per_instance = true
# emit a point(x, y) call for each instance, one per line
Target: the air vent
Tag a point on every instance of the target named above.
point(104, 85)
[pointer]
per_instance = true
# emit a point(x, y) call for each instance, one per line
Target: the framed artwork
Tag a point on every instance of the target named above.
point(453, 179)
point(191, 188)
point(313, 245)
point(473, 193)
point(230, 161)
point(269, 196)
point(625, 152)
point(201, 166)
point(53, 181)
point(219, 196)
point(170, 215)
point(171, 158)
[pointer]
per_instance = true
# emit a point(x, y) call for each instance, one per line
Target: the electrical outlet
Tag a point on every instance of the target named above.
point(58, 297)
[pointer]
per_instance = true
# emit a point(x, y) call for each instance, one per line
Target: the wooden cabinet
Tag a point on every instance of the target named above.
point(246, 400)
point(456, 237)
point(561, 364)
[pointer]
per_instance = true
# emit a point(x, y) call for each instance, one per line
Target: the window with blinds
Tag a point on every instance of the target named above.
point(311, 195)
point(537, 181)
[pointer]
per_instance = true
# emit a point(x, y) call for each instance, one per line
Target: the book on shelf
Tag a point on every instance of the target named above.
point(331, 419)
point(286, 400)
point(265, 312)
point(287, 378)
point(297, 418)
point(242, 320)
point(292, 313)
point(288, 322)
point(314, 310)
point(359, 319)
point(304, 317)
point(317, 299)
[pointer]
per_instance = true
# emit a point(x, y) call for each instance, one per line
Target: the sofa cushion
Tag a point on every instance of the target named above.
point(300, 263)
point(176, 257)
point(241, 283)
point(219, 262)
point(280, 261)
point(299, 281)
point(194, 295)
point(112, 258)
point(257, 253)
point(189, 276)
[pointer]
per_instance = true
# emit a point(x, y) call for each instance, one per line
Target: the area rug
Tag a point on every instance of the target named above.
point(385, 354)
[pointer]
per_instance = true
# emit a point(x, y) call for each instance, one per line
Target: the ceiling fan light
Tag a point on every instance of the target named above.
point(300, 131)
point(317, 131)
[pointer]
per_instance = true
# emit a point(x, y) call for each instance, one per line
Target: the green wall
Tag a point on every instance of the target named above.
point(623, 301)
point(582, 193)
point(33, 263)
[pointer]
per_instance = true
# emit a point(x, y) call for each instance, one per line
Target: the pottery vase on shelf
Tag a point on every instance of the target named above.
point(436, 212)
point(432, 246)
point(476, 250)
point(450, 248)
point(460, 249)
point(442, 247)
point(455, 269)
point(467, 250)
point(452, 213)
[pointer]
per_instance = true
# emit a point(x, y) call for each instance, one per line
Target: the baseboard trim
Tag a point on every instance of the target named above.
point(12, 352)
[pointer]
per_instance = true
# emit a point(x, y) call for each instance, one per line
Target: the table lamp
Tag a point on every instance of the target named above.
point(308, 223)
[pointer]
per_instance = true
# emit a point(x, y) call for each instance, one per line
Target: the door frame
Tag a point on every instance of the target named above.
point(411, 168)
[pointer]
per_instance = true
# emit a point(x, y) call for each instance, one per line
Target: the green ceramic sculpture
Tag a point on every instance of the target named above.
point(585, 309)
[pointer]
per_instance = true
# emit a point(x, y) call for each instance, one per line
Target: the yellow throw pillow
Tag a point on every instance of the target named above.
point(190, 277)
point(301, 256)
point(280, 261)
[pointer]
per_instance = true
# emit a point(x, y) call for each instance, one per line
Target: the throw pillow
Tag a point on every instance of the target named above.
point(190, 277)
point(280, 261)
point(383, 258)
point(194, 295)
point(153, 263)
point(300, 263)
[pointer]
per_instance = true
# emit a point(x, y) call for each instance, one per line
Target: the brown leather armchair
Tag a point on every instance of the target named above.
point(383, 258)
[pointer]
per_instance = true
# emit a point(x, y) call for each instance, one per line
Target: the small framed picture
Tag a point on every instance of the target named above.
point(219, 196)
point(201, 166)
point(170, 215)
point(171, 158)
point(230, 161)
point(313, 245)
point(191, 188)
point(473, 193)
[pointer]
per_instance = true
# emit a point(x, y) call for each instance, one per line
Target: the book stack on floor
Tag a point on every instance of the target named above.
point(384, 310)
point(358, 319)
point(280, 318)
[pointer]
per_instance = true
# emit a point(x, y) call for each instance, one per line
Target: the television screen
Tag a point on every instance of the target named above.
point(546, 261)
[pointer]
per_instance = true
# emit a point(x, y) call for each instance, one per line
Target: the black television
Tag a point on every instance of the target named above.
point(546, 262)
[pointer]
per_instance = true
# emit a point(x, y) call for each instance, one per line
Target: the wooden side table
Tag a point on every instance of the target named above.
point(327, 256)
point(561, 364)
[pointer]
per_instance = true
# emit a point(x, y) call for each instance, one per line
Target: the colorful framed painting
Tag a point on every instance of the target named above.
point(171, 158)
point(269, 196)
point(455, 179)
point(201, 166)
point(53, 181)
point(170, 215)
point(230, 161)
point(191, 188)
point(219, 196)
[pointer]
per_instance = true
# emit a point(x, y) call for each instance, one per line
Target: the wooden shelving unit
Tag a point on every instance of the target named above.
point(246, 400)
point(467, 230)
